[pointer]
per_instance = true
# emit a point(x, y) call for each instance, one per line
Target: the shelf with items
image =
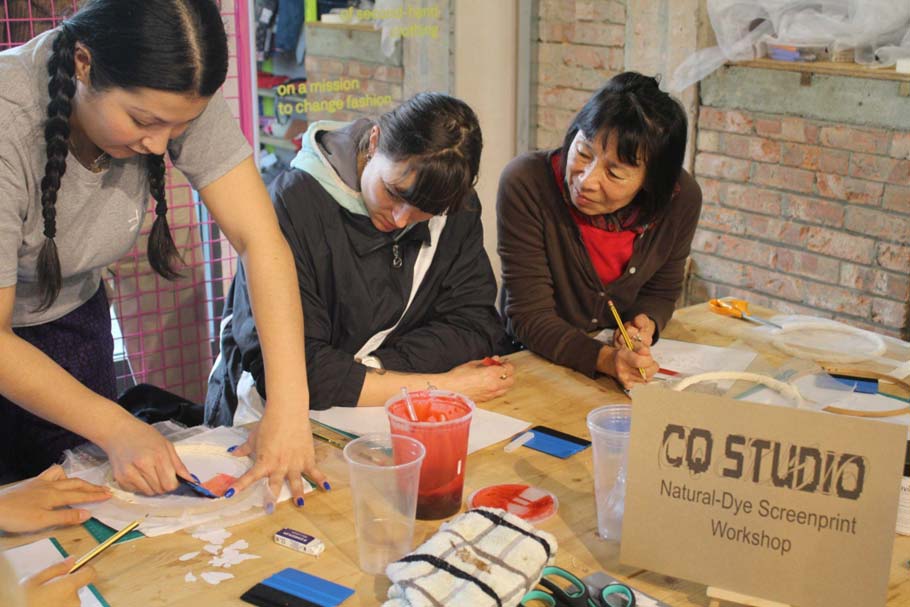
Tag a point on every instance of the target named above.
point(278, 142)
point(831, 68)
point(280, 126)
point(274, 95)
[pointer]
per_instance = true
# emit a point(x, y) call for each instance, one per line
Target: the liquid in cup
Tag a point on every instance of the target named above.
point(385, 471)
point(443, 426)
point(609, 427)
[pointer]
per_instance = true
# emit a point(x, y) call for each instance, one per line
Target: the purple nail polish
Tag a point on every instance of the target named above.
point(327, 486)
point(231, 449)
point(229, 492)
point(195, 478)
point(300, 501)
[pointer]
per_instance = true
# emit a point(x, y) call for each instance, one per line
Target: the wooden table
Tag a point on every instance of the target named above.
point(147, 572)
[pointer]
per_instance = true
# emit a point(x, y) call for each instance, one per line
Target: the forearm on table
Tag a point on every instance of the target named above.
point(380, 386)
point(552, 337)
point(32, 380)
point(275, 300)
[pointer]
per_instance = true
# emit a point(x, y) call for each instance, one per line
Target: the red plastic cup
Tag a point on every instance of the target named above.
point(442, 426)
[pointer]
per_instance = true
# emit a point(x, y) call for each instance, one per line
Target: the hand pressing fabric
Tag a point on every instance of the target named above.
point(40, 502)
point(282, 447)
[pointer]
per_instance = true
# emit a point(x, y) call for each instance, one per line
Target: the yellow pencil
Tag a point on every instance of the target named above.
point(625, 336)
point(104, 545)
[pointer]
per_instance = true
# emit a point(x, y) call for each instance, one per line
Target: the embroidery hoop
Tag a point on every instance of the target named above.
point(865, 346)
point(178, 505)
point(789, 390)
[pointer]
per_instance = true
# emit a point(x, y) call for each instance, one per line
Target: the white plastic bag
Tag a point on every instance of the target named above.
point(878, 31)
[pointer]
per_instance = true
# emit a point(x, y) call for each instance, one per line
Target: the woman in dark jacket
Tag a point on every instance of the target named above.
point(609, 216)
point(397, 289)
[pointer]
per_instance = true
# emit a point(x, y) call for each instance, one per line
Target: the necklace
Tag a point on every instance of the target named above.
point(95, 166)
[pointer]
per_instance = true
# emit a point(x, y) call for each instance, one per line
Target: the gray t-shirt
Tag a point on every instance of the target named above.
point(98, 214)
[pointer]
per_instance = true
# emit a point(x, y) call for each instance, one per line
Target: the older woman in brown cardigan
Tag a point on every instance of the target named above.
point(609, 216)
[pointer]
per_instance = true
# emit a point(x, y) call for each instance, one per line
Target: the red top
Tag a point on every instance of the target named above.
point(609, 247)
point(609, 251)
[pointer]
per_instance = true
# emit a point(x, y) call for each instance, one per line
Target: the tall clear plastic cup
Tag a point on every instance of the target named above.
point(385, 472)
point(609, 427)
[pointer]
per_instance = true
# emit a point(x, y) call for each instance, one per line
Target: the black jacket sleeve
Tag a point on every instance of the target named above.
point(463, 324)
point(334, 378)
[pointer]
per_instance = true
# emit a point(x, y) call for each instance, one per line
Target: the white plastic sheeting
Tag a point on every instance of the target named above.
point(877, 30)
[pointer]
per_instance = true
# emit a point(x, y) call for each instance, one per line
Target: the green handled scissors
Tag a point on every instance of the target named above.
point(563, 589)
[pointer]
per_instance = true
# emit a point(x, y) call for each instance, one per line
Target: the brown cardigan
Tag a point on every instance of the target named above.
point(552, 297)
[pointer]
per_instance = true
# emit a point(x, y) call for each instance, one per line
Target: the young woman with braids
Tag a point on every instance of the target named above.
point(397, 290)
point(87, 112)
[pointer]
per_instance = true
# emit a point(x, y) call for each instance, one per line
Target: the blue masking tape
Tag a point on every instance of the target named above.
point(552, 445)
point(312, 588)
point(859, 384)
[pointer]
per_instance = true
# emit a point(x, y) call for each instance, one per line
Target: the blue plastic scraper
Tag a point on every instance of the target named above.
point(293, 588)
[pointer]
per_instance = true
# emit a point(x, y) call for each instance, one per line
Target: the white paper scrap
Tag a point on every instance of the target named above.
point(212, 548)
point(189, 555)
point(216, 577)
point(215, 536)
point(231, 557)
point(189, 577)
point(238, 545)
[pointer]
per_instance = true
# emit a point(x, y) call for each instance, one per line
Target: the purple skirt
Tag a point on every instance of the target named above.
point(82, 344)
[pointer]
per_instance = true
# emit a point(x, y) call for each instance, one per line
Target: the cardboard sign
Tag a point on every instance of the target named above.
point(783, 504)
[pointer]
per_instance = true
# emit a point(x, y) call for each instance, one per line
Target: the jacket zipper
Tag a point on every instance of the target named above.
point(396, 256)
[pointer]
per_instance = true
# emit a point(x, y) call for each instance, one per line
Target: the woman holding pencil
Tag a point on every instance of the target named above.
point(608, 217)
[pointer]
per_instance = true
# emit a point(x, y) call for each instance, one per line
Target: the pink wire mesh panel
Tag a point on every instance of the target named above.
point(23, 20)
point(166, 333)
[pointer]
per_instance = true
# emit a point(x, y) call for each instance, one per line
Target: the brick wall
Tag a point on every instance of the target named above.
point(376, 84)
point(806, 216)
point(351, 56)
point(579, 46)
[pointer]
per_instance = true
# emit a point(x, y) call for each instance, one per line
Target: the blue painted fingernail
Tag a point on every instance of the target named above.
point(231, 449)
point(195, 478)
point(327, 486)
point(300, 501)
point(229, 492)
point(270, 508)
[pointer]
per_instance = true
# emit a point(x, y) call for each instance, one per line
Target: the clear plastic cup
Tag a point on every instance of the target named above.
point(609, 427)
point(385, 471)
point(443, 426)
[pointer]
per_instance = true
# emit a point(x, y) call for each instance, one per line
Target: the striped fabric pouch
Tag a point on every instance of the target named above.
point(484, 558)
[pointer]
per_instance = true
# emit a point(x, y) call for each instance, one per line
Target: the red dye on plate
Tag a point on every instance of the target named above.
point(530, 503)
point(219, 483)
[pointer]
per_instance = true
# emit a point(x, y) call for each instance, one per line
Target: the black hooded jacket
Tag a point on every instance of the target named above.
point(351, 290)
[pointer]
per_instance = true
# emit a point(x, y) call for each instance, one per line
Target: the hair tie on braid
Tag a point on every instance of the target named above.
point(162, 252)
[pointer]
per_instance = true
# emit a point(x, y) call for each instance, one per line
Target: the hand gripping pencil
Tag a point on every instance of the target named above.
point(625, 336)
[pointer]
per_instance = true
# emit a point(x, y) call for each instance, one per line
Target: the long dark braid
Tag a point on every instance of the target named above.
point(61, 87)
point(162, 252)
point(166, 45)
